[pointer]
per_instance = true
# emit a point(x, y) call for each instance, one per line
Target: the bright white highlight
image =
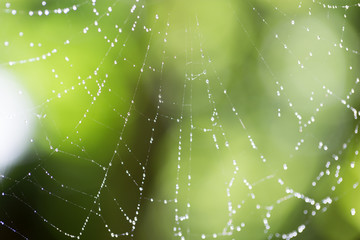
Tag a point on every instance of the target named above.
point(15, 120)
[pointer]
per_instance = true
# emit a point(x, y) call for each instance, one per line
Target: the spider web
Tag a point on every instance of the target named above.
point(180, 120)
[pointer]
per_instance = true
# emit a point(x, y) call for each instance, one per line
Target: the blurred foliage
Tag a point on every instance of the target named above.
point(82, 93)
